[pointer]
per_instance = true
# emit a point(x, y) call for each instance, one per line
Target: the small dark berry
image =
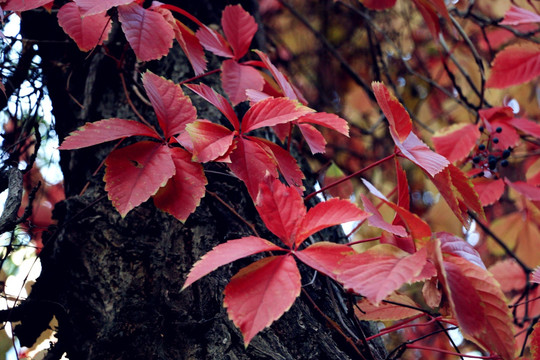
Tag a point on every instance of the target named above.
point(505, 154)
point(476, 159)
point(499, 129)
point(492, 165)
point(510, 149)
point(481, 147)
point(495, 140)
point(481, 129)
point(492, 158)
point(480, 174)
point(504, 163)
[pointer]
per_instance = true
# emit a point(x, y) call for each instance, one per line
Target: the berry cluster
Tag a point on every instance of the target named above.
point(487, 158)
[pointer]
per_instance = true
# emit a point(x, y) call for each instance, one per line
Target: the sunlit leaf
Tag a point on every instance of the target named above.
point(87, 32)
point(515, 64)
point(516, 15)
point(456, 141)
point(324, 256)
point(239, 28)
point(91, 7)
point(237, 78)
point(272, 111)
point(210, 95)
point(366, 311)
point(210, 141)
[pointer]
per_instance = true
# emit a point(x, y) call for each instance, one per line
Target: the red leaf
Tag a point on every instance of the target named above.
point(509, 274)
point(272, 111)
point(173, 109)
point(283, 83)
point(531, 192)
point(329, 213)
point(465, 189)
point(237, 78)
point(417, 227)
point(516, 64)
point(379, 4)
point(210, 141)
point(212, 41)
point(281, 208)
point(419, 153)
point(87, 32)
point(379, 271)
point(24, 5)
point(453, 245)
point(377, 220)
point(251, 162)
point(148, 32)
point(516, 15)
point(136, 172)
point(239, 28)
point(527, 126)
point(330, 121)
point(509, 137)
point(313, 137)
point(261, 292)
point(217, 100)
point(105, 130)
point(226, 253)
point(191, 47)
point(184, 191)
point(91, 7)
point(489, 191)
point(456, 141)
point(324, 256)
point(482, 314)
point(398, 118)
point(287, 165)
point(428, 9)
point(366, 311)
point(403, 191)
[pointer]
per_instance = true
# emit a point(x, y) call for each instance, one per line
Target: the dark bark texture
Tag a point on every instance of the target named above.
point(114, 283)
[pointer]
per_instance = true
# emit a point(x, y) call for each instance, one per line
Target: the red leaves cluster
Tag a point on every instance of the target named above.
point(149, 168)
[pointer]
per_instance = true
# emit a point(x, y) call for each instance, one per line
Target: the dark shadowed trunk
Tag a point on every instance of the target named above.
point(114, 283)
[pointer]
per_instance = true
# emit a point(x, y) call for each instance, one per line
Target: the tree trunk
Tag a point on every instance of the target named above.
point(114, 283)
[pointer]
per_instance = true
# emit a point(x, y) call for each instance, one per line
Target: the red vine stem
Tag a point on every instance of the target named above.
point(231, 209)
point(335, 183)
point(200, 76)
point(363, 241)
point(420, 347)
point(182, 12)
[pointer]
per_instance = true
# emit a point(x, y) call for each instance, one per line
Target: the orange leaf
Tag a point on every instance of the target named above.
point(366, 311)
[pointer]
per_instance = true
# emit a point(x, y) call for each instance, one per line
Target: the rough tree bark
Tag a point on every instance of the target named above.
point(114, 283)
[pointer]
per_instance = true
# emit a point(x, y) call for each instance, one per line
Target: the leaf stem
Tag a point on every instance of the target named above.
point(199, 76)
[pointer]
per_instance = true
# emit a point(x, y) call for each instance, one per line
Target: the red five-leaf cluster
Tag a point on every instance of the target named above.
point(261, 292)
point(149, 168)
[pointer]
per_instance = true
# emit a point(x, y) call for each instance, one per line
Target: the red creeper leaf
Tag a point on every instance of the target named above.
point(531, 192)
point(24, 5)
point(453, 245)
point(237, 78)
point(91, 7)
point(377, 220)
point(173, 109)
point(136, 172)
point(191, 47)
point(273, 111)
point(212, 41)
point(210, 141)
point(329, 213)
point(226, 253)
point(327, 120)
point(209, 94)
point(456, 141)
point(509, 274)
point(379, 271)
point(261, 292)
point(184, 191)
point(324, 256)
point(105, 130)
point(283, 83)
point(515, 64)
point(397, 116)
point(489, 191)
point(87, 32)
point(314, 138)
point(482, 314)
point(239, 28)
point(281, 208)
point(385, 312)
point(516, 15)
point(250, 162)
point(148, 32)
